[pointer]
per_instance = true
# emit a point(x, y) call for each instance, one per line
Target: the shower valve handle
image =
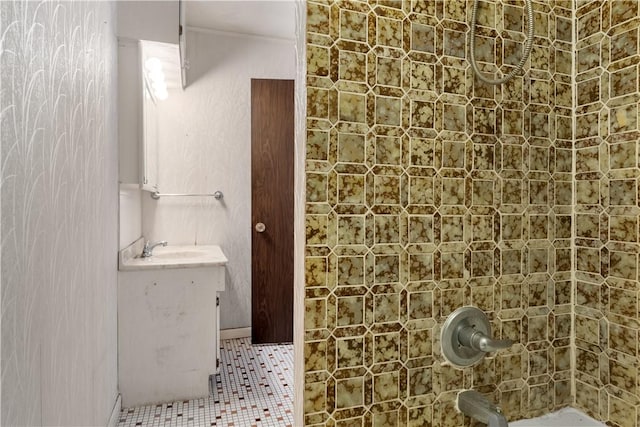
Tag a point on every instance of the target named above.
point(470, 337)
point(466, 337)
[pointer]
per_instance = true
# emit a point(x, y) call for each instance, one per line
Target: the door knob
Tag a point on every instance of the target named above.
point(260, 227)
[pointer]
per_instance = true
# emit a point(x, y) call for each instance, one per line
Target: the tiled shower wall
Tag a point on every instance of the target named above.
point(606, 233)
point(427, 191)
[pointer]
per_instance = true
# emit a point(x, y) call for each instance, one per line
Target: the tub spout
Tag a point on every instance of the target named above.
point(475, 405)
point(497, 420)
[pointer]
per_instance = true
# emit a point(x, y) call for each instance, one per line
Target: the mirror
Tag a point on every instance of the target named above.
point(160, 63)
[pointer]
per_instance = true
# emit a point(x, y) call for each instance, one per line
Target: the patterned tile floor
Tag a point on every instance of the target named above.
point(254, 388)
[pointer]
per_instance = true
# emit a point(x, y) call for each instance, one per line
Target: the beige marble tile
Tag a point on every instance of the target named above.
point(427, 190)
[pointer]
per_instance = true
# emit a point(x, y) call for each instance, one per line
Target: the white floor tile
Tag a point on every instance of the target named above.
point(254, 388)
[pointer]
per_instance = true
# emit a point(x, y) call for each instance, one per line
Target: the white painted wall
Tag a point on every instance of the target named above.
point(130, 214)
point(129, 111)
point(59, 212)
point(129, 134)
point(205, 145)
point(149, 20)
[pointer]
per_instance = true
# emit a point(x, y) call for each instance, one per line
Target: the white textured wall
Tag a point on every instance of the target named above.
point(59, 212)
point(130, 214)
point(129, 111)
point(129, 134)
point(205, 145)
point(156, 20)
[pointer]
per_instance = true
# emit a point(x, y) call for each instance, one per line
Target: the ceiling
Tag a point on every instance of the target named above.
point(265, 18)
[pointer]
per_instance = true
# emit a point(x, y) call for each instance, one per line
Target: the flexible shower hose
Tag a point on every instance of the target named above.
point(525, 54)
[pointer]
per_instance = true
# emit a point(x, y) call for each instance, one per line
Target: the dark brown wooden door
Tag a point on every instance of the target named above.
point(272, 139)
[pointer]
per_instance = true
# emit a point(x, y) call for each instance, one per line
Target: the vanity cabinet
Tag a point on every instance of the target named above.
point(168, 328)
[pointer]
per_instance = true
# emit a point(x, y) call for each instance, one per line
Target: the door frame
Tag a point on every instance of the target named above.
point(299, 195)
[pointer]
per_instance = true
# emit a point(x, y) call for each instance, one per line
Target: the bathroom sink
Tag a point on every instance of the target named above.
point(187, 256)
point(178, 254)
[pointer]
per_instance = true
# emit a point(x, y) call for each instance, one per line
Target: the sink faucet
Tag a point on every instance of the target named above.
point(475, 405)
point(148, 248)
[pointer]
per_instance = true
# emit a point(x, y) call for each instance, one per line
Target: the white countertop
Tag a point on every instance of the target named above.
point(183, 256)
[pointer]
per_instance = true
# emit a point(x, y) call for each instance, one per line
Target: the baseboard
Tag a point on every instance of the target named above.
point(115, 412)
point(228, 334)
